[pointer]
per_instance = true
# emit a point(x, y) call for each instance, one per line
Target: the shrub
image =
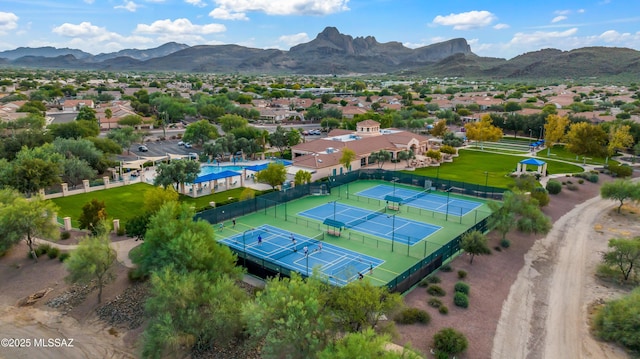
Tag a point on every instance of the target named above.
point(436, 290)
point(620, 170)
point(450, 341)
point(53, 252)
point(618, 321)
point(554, 187)
point(593, 178)
point(569, 182)
point(65, 235)
point(580, 181)
point(42, 249)
point(135, 275)
point(461, 287)
point(572, 187)
point(446, 268)
point(497, 249)
point(429, 280)
point(443, 309)
point(461, 300)
point(413, 315)
point(505, 243)
point(63, 256)
point(462, 274)
point(434, 302)
point(121, 231)
point(434, 279)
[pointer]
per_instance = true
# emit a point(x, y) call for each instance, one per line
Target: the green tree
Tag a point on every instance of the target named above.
point(348, 156)
point(75, 129)
point(289, 316)
point(366, 344)
point(330, 123)
point(623, 254)
point(512, 106)
point(439, 129)
point(93, 212)
point(75, 170)
point(586, 139)
point(92, 259)
point(87, 114)
point(274, 175)
point(359, 305)
point(618, 321)
point(176, 172)
point(174, 239)
point(230, 122)
point(293, 137)
point(279, 139)
point(554, 130)
point(124, 136)
point(156, 197)
point(302, 177)
point(191, 310)
point(475, 243)
point(137, 226)
point(450, 341)
point(29, 175)
point(483, 130)
point(200, 132)
point(501, 219)
point(380, 157)
point(130, 120)
point(406, 156)
point(22, 218)
point(620, 190)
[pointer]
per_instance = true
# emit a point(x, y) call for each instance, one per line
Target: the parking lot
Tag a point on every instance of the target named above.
point(161, 148)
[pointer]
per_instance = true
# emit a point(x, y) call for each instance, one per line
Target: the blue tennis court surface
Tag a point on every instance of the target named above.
point(420, 199)
point(376, 223)
point(340, 265)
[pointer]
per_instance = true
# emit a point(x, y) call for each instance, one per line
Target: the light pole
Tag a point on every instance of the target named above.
point(446, 216)
point(334, 209)
point(393, 230)
point(530, 134)
point(395, 179)
point(541, 132)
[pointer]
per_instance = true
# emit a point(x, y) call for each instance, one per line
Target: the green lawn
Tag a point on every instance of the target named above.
point(127, 201)
point(559, 152)
point(471, 166)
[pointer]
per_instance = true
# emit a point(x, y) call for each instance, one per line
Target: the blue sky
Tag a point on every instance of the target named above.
point(493, 28)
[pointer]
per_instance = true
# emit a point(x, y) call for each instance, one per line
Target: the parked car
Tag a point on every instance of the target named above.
point(193, 156)
point(181, 143)
point(143, 148)
point(187, 145)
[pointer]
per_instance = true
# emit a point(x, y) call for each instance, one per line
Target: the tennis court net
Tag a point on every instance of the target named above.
point(416, 196)
point(365, 218)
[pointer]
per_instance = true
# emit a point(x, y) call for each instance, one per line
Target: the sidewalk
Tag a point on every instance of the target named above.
point(122, 249)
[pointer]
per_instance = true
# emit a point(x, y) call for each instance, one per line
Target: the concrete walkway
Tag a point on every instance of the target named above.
point(122, 249)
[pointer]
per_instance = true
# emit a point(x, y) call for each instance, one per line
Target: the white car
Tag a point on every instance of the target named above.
point(187, 145)
point(181, 143)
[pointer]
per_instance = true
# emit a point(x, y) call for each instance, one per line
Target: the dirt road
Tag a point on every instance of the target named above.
point(545, 313)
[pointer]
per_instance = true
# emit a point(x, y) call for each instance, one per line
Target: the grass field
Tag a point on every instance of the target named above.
point(126, 202)
point(471, 166)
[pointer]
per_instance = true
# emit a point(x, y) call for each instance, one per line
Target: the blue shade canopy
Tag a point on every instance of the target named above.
point(257, 168)
point(216, 176)
point(532, 161)
point(333, 223)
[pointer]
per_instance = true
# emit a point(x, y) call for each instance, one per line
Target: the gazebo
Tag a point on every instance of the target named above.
point(522, 166)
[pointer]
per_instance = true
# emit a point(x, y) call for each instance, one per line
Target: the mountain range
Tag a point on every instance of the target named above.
point(334, 53)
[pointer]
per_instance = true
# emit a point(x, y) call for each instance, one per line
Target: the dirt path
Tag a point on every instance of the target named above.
point(545, 313)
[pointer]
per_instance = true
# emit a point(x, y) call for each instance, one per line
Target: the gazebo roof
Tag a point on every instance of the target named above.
point(215, 176)
point(533, 161)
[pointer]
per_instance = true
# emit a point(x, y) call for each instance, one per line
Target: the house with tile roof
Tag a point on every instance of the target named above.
point(322, 157)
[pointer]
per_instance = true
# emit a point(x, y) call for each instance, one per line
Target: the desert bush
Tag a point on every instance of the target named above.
point(461, 300)
point(412, 316)
point(135, 275)
point(121, 231)
point(572, 187)
point(53, 252)
point(462, 274)
point(42, 249)
point(446, 268)
point(497, 249)
point(580, 181)
point(65, 235)
point(541, 195)
point(461, 287)
point(554, 187)
point(450, 341)
point(593, 178)
point(434, 302)
point(436, 290)
point(429, 280)
point(620, 170)
point(63, 256)
point(443, 309)
point(618, 321)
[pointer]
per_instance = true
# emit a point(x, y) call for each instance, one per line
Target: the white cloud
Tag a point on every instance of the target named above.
point(198, 3)
point(501, 26)
point(89, 1)
point(414, 45)
point(178, 27)
point(284, 7)
point(541, 38)
point(295, 39)
point(8, 21)
point(581, 11)
point(562, 12)
point(466, 20)
point(558, 18)
point(224, 14)
point(128, 5)
point(83, 29)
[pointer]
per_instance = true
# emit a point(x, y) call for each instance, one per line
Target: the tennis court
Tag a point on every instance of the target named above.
point(423, 199)
point(378, 223)
point(340, 265)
